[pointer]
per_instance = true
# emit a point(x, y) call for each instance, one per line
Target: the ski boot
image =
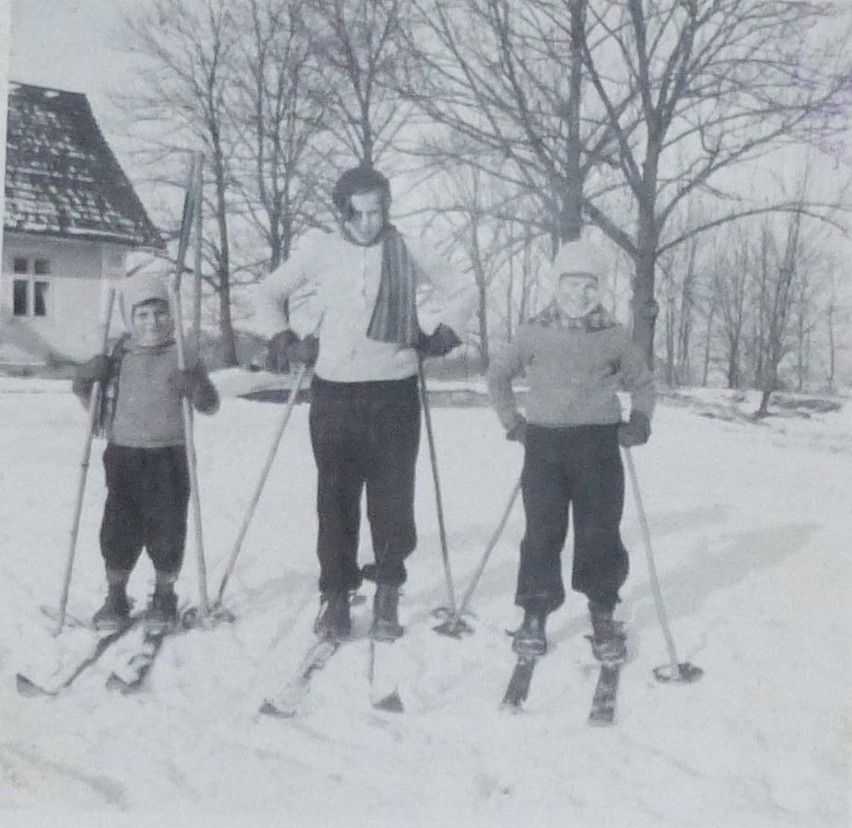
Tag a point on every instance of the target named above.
point(386, 625)
point(115, 610)
point(609, 643)
point(333, 622)
point(162, 613)
point(530, 638)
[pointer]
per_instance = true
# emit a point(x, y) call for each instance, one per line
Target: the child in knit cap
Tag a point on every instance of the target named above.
point(575, 358)
point(145, 460)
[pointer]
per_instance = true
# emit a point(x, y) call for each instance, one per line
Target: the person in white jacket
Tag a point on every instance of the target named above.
point(365, 407)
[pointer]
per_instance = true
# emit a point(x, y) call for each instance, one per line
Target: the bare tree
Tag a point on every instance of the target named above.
point(278, 110)
point(188, 47)
point(731, 277)
point(779, 302)
point(718, 84)
point(679, 272)
point(507, 80)
point(359, 46)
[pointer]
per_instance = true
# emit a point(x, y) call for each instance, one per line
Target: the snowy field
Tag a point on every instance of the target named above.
point(751, 529)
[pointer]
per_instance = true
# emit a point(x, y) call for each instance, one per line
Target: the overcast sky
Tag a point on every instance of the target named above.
point(68, 44)
point(64, 44)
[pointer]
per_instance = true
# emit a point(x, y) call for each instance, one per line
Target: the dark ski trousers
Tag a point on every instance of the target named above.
point(146, 507)
point(364, 434)
point(578, 467)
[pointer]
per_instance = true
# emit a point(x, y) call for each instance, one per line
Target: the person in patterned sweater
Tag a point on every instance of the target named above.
point(575, 359)
point(145, 461)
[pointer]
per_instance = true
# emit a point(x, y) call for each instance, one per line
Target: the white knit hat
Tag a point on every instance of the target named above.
point(578, 256)
point(143, 287)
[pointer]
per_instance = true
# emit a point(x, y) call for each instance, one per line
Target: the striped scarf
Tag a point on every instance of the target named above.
point(395, 313)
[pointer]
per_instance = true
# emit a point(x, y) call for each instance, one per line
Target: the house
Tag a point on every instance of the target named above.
point(71, 217)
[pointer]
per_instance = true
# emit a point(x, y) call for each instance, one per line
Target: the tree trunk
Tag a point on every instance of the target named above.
point(707, 341)
point(571, 212)
point(733, 366)
point(645, 308)
point(831, 348)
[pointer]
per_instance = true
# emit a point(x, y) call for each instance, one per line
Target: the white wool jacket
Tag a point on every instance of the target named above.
point(344, 278)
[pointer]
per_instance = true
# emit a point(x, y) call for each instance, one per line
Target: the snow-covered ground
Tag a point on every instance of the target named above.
point(751, 533)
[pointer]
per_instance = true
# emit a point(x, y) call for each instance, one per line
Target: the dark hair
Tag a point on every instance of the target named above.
point(360, 180)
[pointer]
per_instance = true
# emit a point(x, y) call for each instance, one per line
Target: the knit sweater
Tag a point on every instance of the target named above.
point(143, 407)
point(344, 278)
point(573, 374)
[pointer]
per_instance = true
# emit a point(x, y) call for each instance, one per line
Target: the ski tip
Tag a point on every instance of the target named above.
point(511, 706)
point(270, 709)
point(29, 688)
point(119, 685)
point(685, 673)
point(597, 720)
point(392, 703)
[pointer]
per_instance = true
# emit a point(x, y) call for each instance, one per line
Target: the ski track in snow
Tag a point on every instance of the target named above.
point(750, 532)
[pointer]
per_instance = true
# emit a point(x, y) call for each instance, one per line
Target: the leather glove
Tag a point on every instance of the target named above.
point(518, 432)
point(97, 369)
point(286, 347)
point(636, 432)
point(439, 343)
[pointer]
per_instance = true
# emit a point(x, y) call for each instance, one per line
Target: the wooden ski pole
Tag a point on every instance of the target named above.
point(197, 261)
point(434, 461)
point(94, 406)
point(186, 407)
point(190, 206)
point(674, 671)
point(276, 441)
point(455, 624)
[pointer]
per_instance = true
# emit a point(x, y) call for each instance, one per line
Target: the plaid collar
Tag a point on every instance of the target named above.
point(596, 319)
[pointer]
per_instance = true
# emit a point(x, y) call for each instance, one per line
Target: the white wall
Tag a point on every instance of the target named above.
point(5, 20)
point(71, 327)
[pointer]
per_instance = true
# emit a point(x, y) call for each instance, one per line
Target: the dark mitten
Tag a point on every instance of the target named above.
point(97, 369)
point(636, 432)
point(286, 347)
point(305, 350)
point(277, 359)
point(518, 432)
point(194, 384)
point(439, 343)
point(188, 381)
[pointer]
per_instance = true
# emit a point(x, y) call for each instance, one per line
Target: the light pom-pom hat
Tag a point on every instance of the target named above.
point(142, 287)
point(578, 256)
point(575, 257)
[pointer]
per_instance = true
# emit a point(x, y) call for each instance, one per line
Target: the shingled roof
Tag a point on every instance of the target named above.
point(61, 176)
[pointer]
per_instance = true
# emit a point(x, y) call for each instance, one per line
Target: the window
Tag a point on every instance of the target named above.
point(40, 297)
point(19, 297)
point(39, 266)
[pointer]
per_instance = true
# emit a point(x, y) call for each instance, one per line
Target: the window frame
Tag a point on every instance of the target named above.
point(31, 298)
point(20, 297)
